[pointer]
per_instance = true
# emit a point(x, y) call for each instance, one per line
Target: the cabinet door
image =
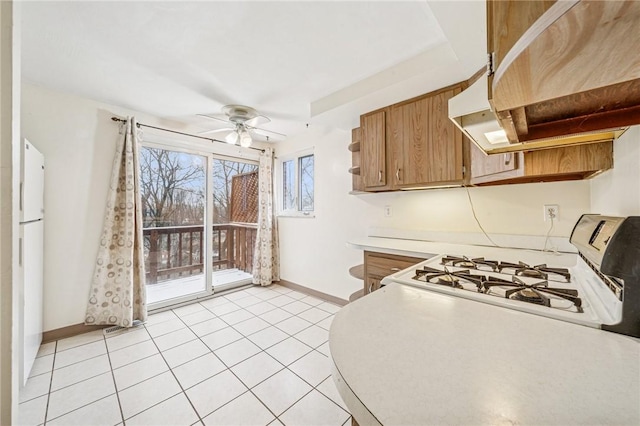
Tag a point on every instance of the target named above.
point(373, 148)
point(428, 145)
point(445, 147)
point(490, 168)
point(409, 129)
point(379, 265)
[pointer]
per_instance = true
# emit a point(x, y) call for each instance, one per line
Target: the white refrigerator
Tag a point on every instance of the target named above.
point(31, 254)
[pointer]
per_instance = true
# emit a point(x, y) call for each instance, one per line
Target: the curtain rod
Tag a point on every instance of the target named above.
point(122, 120)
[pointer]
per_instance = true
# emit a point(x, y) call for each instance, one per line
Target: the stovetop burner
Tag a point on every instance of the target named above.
point(537, 271)
point(454, 279)
point(529, 295)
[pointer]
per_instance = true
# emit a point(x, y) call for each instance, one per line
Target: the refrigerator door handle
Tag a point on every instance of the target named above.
point(21, 195)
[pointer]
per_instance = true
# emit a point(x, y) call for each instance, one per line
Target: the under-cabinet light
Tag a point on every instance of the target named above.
point(496, 137)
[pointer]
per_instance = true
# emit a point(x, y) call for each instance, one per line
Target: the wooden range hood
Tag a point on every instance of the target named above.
point(561, 73)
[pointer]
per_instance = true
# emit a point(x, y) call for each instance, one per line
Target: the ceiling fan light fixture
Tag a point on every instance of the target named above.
point(232, 138)
point(245, 139)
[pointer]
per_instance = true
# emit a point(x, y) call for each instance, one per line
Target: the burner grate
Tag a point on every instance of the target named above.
point(538, 271)
point(465, 262)
point(537, 293)
point(449, 278)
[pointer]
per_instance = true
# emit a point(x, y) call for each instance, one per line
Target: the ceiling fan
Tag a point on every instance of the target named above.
point(244, 120)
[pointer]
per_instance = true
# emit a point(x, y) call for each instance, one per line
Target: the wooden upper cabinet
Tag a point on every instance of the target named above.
point(373, 167)
point(564, 68)
point(426, 147)
point(547, 165)
point(495, 167)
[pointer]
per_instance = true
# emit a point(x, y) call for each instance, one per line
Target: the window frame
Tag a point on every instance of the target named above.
point(295, 157)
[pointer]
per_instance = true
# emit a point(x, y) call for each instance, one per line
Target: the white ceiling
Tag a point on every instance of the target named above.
point(178, 59)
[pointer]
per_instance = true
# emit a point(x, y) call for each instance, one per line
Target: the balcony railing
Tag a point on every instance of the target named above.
point(178, 251)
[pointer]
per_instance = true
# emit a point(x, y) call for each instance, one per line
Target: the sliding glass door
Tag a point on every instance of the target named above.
point(173, 193)
point(200, 214)
point(235, 216)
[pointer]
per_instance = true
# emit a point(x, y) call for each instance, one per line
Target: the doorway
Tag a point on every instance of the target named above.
point(173, 187)
point(200, 214)
point(235, 216)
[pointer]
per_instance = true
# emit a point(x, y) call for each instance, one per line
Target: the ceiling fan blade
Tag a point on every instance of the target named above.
point(211, 117)
point(258, 120)
point(265, 132)
point(208, 132)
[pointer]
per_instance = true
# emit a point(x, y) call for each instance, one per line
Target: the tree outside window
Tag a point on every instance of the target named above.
point(297, 187)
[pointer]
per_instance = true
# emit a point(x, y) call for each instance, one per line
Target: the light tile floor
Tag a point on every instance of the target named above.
point(258, 356)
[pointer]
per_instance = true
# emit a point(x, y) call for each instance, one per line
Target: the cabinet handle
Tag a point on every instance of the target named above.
point(380, 176)
point(398, 175)
point(507, 158)
point(395, 269)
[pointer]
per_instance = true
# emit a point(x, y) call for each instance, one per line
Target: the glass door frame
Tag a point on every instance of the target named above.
point(225, 157)
point(208, 288)
point(153, 140)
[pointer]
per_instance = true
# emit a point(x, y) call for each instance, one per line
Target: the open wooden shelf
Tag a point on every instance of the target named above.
point(357, 295)
point(357, 271)
point(355, 170)
point(354, 147)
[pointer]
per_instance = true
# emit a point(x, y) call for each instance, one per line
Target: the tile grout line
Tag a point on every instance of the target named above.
point(87, 404)
point(174, 375)
point(286, 367)
point(53, 364)
point(237, 378)
point(113, 377)
point(149, 378)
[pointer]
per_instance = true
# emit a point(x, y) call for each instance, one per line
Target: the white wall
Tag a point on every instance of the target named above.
point(78, 139)
point(617, 191)
point(314, 252)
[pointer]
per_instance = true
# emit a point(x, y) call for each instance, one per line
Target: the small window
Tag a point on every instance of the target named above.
point(297, 185)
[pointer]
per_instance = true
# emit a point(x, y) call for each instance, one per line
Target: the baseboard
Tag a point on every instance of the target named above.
point(311, 292)
point(69, 331)
point(75, 329)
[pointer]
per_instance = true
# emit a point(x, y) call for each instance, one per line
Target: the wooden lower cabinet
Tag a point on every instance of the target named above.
point(554, 164)
point(379, 265)
point(371, 284)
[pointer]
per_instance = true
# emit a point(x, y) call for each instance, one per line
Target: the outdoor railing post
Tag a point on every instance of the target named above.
point(201, 248)
point(231, 235)
point(153, 256)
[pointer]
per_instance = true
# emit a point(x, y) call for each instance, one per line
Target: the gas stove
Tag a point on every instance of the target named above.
point(598, 287)
point(536, 284)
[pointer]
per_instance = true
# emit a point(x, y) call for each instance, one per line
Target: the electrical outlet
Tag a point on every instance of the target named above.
point(387, 211)
point(550, 211)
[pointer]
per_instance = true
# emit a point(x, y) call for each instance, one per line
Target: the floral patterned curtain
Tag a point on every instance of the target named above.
point(266, 256)
point(117, 295)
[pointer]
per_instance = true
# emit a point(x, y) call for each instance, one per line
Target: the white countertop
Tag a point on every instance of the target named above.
point(412, 357)
point(427, 249)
